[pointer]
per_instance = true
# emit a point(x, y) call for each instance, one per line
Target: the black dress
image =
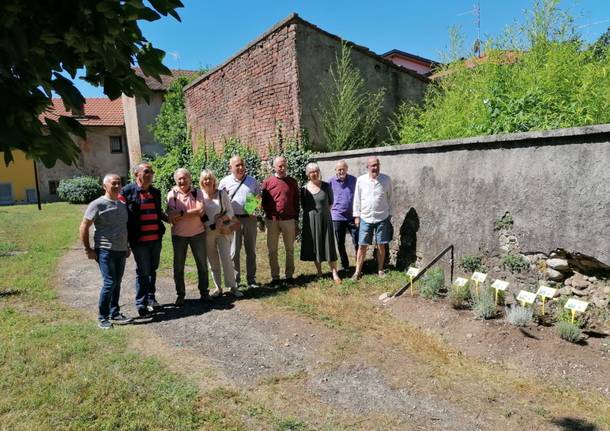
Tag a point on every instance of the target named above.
point(317, 234)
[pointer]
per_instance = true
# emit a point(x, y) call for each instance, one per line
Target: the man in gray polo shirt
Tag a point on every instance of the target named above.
point(238, 186)
point(109, 216)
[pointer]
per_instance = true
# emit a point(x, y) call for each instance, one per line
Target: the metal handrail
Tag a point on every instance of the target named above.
point(424, 269)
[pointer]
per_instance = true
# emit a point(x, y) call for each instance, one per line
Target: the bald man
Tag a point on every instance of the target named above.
point(343, 186)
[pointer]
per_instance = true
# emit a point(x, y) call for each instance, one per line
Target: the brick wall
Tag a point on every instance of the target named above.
point(248, 96)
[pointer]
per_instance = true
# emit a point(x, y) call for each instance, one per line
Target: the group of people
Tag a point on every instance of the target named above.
point(218, 219)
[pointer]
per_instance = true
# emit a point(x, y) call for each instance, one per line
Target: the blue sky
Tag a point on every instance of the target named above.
point(212, 31)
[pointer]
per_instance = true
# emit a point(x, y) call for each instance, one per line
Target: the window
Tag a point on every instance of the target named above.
point(31, 196)
point(116, 144)
point(6, 193)
point(53, 187)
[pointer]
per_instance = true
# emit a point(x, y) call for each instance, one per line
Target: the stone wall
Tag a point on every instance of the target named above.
point(139, 116)
point(95, 159)
point(317, 52)
point(554, 184)
point(250, 96)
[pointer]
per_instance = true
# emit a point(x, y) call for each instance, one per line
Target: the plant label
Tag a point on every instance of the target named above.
point(576, 305)
point(460, 282)
point(500, 285)
point(412, 272)
point(526, 297)
point(546, 292)
point(479, 276)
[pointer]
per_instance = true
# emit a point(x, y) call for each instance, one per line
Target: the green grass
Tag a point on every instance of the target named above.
point(58, 370)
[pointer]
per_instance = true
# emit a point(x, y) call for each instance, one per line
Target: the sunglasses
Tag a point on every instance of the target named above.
point(148, 171)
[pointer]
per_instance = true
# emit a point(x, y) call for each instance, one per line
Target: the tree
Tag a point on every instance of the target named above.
point(350, 113)
point(41, 43)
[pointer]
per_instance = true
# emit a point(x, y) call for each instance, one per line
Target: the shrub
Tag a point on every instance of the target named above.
point(565, 315)
point(459, 295)
point(431, 283)
point(79, 190)
point(518, 315)
point(484, 305)
point(568, 331)
point(471, 264)
point(514, 262)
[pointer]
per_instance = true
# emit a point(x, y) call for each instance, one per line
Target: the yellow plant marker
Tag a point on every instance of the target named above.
point(526, 297)
point(478, 277)
point(576, 305)
point(412, 272)
point(499, 285)
point(545, 292)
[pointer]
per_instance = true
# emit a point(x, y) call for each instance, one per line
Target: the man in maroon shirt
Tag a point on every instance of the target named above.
point(281, 205)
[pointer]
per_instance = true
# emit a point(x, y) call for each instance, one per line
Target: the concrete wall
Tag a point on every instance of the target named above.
point(249, 95)
point(556, 185)
point(139, 116)
point(95, 160)
point(317, 52)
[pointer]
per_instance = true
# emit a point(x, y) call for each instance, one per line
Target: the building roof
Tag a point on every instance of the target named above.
point(97, 112)
point(295, 18)
point(410, 56)
point(500, 57)
point(166, 80)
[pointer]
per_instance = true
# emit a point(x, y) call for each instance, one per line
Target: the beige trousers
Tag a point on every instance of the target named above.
point(218, 248)
point(288, 230)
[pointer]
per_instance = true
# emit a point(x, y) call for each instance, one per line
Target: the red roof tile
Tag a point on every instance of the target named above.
point(97, 112)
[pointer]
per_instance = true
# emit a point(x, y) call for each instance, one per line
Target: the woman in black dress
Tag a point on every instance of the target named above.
point(317, 235)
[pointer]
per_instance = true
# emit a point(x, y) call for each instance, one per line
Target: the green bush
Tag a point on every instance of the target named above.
point(79, 190)
point(431, 283)
point(471, 264)
point(515, 262)
point(568, 331)
point(484, 304)
point(459, 295)
point(518, 315)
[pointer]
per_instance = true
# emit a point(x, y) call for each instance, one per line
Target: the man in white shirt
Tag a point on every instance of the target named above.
point(372, 214)
point(238, 186)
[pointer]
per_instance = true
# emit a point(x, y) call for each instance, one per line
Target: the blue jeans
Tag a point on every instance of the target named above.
point(147, 256)
point(197, 244)
point(112, 266)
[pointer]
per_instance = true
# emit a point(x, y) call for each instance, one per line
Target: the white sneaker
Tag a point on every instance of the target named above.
point(236, 292)
point(216, 293)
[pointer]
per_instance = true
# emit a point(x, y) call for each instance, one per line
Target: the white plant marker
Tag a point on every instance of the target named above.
point(499, 285)
point(478, 277)
point(526, 297)
point(412, 272)
point(545, 292)
point(575, 305)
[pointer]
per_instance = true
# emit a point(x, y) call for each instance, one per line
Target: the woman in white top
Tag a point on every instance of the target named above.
point(219, 214)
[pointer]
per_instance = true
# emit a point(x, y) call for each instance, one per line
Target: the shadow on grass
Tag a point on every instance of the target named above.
point(572, 424)
point(9, 292)
point(281, 286)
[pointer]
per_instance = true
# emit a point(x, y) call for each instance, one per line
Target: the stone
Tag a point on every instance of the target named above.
point(601, 302)
point(558, 264)
point(565, 290)
point(568, 281)
point(591, 279)
point(580, 292)
point(606, 290)
point(578, 281)
point(554, 274)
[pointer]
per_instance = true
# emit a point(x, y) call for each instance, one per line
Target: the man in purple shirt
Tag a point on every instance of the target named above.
point(343, 186)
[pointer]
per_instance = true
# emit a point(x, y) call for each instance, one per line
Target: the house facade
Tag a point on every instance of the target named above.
point(276, 85)
point(17, 180)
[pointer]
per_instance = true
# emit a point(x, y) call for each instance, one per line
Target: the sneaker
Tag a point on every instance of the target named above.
point(104, 324)
point(235, 292)
point(179, 301)
point(357, 276)
point(253, 285)
point(121, 319)
point(216, 293)
point(155, 305)
point(144, 311)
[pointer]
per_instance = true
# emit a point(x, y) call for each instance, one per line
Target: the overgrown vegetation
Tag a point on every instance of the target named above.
point(518, 315)
point(471, 264)
point(539, 75)
point(484, 304)
point(459, 295)
point(568, 331)
point(432, 282)
point(514, 262)
point(504, 223)
point(350, 113)
point(79, 190)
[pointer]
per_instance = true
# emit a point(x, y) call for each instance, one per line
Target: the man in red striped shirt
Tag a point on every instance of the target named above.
point(145, 230)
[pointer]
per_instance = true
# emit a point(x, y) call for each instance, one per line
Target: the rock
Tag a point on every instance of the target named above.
point(565, 290)
point(578, 281)
point(591, 279)
point(606, 290)
point(601, 302)
point(568, 281)
point(558, 264)
point(468, 335)
point(580, 292)
point(554, 275)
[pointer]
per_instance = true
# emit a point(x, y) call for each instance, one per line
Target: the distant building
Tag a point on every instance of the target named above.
point(413, 62)
point(276, 84)
point(17, 182)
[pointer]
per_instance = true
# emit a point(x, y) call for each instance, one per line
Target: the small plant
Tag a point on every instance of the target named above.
point(459, 295)
point(431, 283)
point(505, 223)
point(568, 331)
point(471, 263)
point(484, 304)
point(514, 262)
point(565, 315)
point(518, 315)
point(79, 190)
